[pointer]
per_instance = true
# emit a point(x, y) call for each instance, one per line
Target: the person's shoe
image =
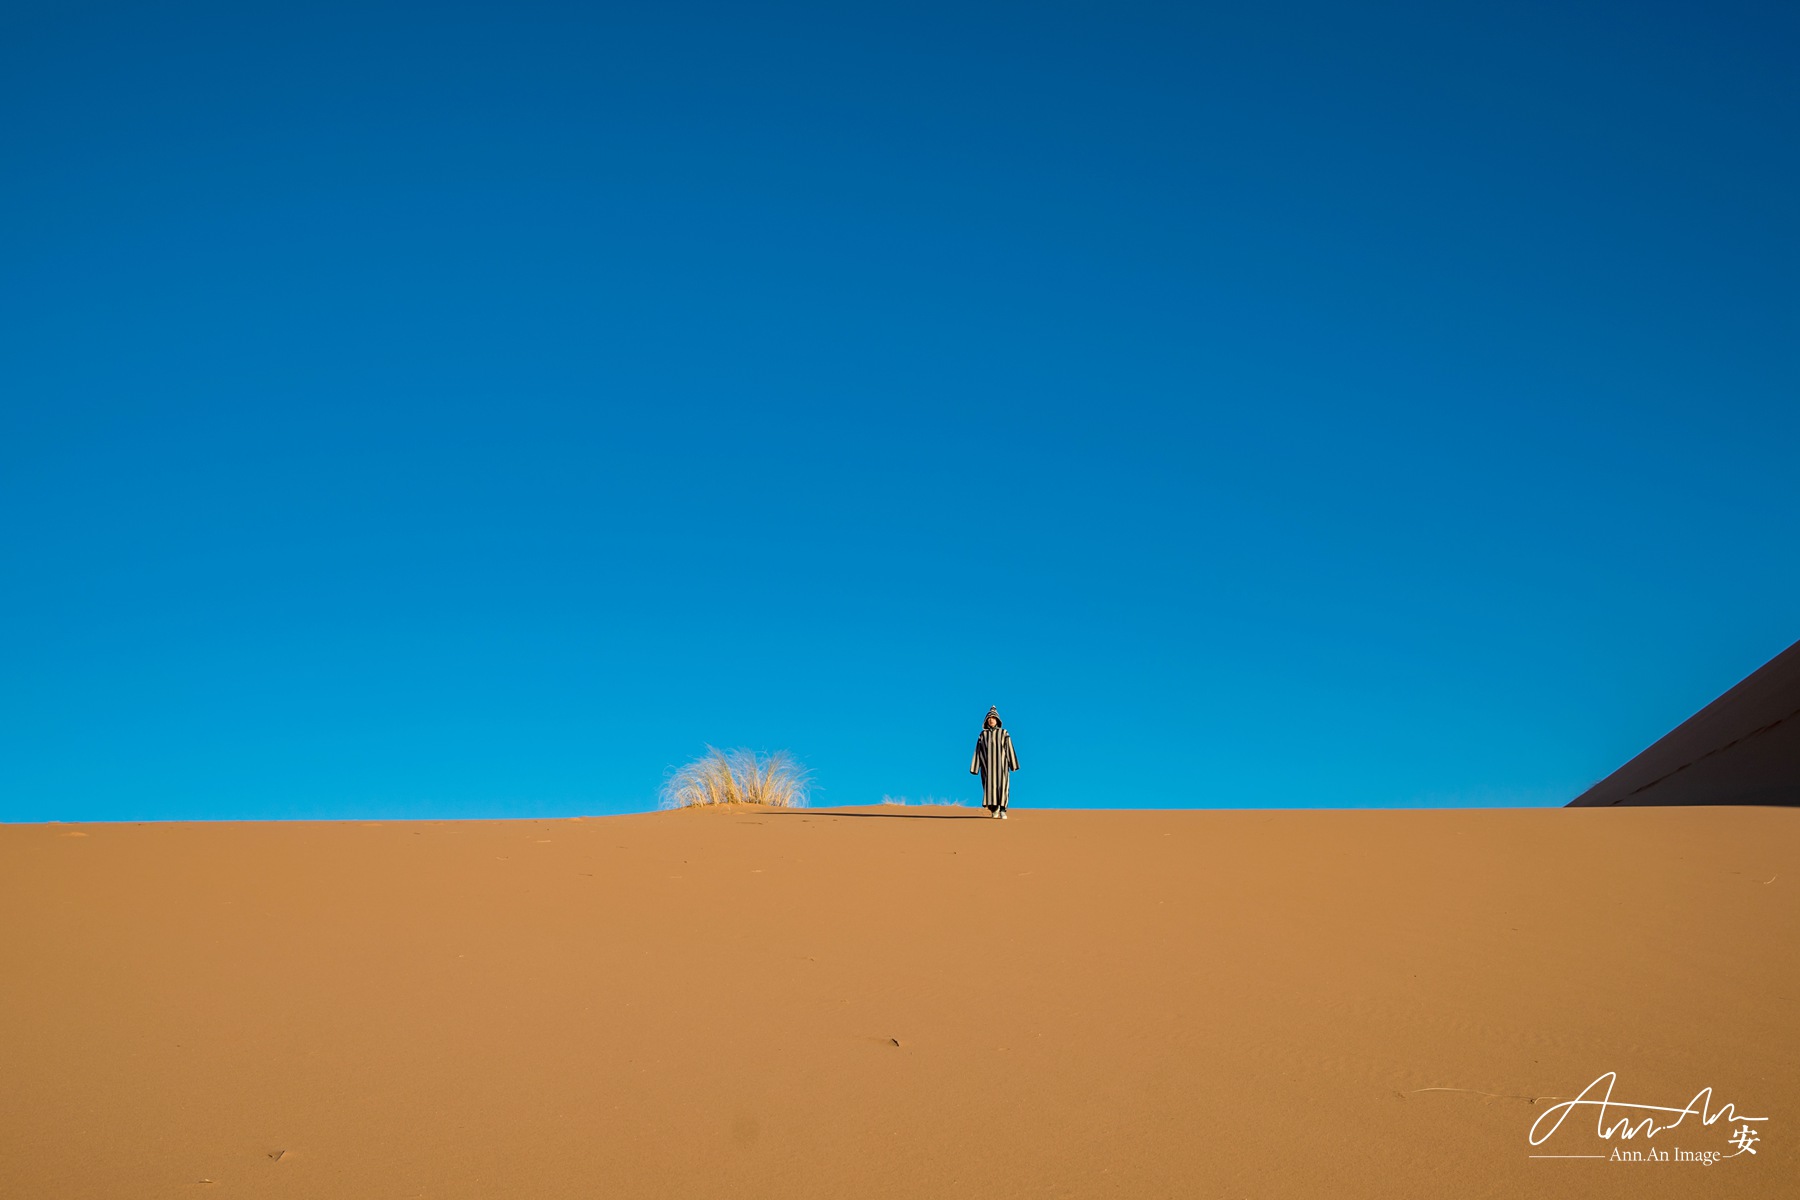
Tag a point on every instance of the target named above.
point(1003, 814)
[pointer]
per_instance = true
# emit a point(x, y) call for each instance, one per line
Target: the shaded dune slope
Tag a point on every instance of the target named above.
point(1743, 748)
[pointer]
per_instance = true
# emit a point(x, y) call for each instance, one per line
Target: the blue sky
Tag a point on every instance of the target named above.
point(477, 410)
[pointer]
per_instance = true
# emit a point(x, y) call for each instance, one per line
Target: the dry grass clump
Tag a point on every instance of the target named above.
point(737, 777)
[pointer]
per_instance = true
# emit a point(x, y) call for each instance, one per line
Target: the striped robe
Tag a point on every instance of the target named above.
point(994, 759)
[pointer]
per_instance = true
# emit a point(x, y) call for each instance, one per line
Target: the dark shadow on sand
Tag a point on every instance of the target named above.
point(904, 816)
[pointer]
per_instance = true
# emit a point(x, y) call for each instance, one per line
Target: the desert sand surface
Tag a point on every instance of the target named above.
point(908, 1002)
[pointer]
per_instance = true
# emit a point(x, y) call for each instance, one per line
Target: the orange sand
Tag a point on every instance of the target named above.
point(895, 1003)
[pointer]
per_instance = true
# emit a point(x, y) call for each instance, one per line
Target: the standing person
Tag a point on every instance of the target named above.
point(994, 760)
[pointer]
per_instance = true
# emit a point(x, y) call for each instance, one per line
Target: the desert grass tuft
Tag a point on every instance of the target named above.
point(737, 777)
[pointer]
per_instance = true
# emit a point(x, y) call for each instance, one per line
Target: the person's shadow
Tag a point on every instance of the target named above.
point(904, 816)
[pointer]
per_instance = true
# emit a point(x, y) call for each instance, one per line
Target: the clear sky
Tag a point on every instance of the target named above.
point(472, 410)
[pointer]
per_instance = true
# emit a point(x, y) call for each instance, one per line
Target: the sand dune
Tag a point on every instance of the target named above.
point(880, 1003)
point(1743, 748)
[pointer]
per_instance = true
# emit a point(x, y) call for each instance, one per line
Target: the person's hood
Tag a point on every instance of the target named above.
point(994, 713)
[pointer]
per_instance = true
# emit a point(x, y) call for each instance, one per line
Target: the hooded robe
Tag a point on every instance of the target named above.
point(994, 760)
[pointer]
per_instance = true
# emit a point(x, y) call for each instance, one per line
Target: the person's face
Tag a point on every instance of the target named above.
point(991, 722)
